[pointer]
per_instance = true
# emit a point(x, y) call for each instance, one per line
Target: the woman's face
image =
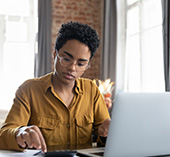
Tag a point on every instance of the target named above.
point(72, 50)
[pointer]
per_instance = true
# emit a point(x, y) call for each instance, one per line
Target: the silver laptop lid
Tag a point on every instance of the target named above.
point(140, 125)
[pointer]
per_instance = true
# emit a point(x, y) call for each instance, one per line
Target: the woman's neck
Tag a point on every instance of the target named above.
point(59, 86)
point(65, 91)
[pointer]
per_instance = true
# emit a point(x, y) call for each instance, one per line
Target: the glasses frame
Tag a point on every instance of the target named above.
point(73, 62)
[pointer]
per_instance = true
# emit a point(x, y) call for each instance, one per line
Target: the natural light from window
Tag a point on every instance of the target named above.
point(144, 47)
point(18, 30)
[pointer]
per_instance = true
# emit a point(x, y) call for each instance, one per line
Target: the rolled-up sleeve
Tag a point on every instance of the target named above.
point(18, 116)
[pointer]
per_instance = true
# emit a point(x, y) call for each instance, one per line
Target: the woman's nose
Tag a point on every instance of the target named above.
point(73, 66)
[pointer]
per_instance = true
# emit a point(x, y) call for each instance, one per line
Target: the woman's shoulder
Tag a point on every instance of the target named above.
point(39, 81)
point(86, 81)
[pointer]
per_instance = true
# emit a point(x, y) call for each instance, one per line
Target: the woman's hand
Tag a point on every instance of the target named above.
point(31, 137)
point(104, 128)
point(108, 102)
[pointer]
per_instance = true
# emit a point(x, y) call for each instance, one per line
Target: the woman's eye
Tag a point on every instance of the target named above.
point(80, 64)
point(67, 59)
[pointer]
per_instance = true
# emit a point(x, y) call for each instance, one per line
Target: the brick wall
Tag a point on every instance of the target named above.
point(85, 11)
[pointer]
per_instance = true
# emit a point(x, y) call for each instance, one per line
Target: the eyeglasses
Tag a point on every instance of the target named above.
point(80, 65)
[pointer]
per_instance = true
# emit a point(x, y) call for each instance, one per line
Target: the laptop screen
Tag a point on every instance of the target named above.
point(140, 125)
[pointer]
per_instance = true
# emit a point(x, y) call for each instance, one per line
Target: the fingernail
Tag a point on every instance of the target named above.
point(39, 147)
point(45, 150)
point(23, 145)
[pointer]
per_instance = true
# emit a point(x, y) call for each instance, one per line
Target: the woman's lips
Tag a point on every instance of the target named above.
point(68, 76)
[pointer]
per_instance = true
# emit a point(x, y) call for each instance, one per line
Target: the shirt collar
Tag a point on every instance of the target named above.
point(47, 82)
point(78, 86)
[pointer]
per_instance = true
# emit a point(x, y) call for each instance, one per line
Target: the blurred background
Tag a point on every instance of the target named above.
point(130, 53)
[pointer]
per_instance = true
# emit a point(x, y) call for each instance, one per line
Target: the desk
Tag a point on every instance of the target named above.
point(30, 152)
point(26, 153)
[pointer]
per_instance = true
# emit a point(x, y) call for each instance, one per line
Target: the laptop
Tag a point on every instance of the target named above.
point(140, 126)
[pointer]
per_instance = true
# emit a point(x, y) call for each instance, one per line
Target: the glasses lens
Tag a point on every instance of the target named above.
point(82, 68)
point(66, 62)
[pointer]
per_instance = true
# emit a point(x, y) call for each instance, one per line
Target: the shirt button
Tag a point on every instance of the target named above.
point(68, 125)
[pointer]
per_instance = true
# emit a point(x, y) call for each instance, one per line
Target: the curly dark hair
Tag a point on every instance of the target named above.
point(78, 31)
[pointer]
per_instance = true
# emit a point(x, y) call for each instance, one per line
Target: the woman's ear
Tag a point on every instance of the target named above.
point(54, 54)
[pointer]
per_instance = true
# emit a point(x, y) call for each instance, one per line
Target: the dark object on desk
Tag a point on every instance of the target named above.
point(98, 154)
point(61, 153)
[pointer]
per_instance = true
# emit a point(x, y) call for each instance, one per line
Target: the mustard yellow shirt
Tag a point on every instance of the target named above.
point(36, 103)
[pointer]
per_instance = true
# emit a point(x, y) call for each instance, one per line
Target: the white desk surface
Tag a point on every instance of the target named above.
point(26, 153)
point(29, 152)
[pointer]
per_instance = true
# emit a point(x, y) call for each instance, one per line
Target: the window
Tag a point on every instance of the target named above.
point(142, 37)
point(17, 46)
